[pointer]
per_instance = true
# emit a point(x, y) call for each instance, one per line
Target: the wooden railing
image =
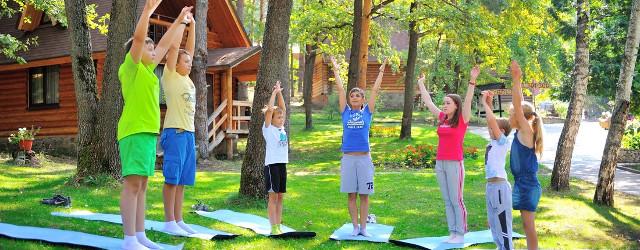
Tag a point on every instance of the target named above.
point(240, 120)
point(216, 134)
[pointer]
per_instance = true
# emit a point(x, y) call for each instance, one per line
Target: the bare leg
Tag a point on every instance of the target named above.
point(272, 208)
point(353, 212)
point(168, 195)
point(179, 200)
point(140, 206)
point(364, 212)
point(528, 222)
point(128, 202)
point(279, 208)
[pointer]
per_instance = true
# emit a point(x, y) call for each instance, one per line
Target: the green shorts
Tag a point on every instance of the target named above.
point(138, 154)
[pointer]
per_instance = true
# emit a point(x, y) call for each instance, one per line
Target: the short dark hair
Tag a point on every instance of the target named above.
point(129, 43)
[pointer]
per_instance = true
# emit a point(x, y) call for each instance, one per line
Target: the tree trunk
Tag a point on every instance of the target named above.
point(84, 79)
point(262, 3)
point(364, 44)
point(457, 79)
point(562, 164)
point(604, 189)
point(300, 71)
point(240, 10)
point(354, 59)
point(199, 76)
point(110, 103)
point(273, 67)
point(291, 74)
point(309, 63)
point(410, 75)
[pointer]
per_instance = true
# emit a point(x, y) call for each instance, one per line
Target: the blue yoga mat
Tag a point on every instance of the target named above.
point(258, 224)
point(65, 237)
point(203, 232)
point(379, 233)
point(437, 243)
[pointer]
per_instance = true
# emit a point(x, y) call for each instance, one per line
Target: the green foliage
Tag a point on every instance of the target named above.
point(418, 157)
point(97, 22)
point(561, 108)
point(331, 109)
point(631, 137)
point(384, 131)
point(11, 46)
point(24, 134)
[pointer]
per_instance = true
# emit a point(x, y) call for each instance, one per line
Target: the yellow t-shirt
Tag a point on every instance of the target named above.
point(180, 95)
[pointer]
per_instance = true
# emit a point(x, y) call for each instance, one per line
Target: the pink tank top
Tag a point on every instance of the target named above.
point(450, 140)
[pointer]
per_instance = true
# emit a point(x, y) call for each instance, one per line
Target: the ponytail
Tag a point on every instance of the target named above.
point(537, 125)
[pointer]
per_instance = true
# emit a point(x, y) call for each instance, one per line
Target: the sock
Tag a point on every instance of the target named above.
point(186, 227)
point(356, 231)
point(131, 243)
point(364, 233)
point(274, 229)
point(278, 230)
point(172, 227)
point(142, 239)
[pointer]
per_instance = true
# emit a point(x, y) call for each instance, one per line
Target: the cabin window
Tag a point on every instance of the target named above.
point(43, 86)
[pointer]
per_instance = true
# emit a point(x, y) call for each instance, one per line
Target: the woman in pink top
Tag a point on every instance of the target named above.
point(452, 125)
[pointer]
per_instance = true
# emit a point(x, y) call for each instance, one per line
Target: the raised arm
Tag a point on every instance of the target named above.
point(281, 98)
point(486, 101)
point(342, 97)
point(172, 55)
point(171, 35)
point(140, 34)
point(426, 98)
point(468, 99)
point(523, 125)
point(191, 36)
point(376, 87)
point(268, 114)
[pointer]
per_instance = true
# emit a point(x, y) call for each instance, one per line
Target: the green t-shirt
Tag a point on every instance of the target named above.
point(141, 94)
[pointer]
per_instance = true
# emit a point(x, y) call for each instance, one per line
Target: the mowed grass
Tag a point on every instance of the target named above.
point(409, 200)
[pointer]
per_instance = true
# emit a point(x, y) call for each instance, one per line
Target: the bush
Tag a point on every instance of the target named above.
point(331, 109)
point(561, 108)
point(631, 137)
point(384, 131)
point(418, 157)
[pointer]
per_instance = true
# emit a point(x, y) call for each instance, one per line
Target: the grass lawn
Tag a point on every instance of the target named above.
point(407, 199)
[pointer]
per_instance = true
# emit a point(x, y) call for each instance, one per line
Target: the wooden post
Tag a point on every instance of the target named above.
point(228, 93)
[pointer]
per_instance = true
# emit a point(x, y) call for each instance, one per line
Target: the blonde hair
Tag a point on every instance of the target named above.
point(536, 125)
point(503, 123)
point(182, 52)
point(275, 109)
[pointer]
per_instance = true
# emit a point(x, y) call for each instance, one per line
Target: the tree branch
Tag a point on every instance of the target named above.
point(379, 6)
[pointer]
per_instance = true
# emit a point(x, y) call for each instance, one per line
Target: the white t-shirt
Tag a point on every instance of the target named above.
point(495, 158)
point(277, 145)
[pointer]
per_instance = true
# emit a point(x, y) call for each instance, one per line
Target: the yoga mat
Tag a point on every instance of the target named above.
point(203, 232)
point(66, 237)
point(379, 233)
point(258, 224)
point(437, 243)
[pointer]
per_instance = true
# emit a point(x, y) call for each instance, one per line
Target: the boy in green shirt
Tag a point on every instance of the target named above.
point(139, 123)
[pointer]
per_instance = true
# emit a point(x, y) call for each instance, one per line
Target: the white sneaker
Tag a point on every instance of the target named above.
point(457, 239)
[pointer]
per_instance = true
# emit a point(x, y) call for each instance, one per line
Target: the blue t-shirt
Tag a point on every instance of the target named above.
point(355, 126)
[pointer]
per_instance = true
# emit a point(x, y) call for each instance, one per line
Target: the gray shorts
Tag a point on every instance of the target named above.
point(356, 174)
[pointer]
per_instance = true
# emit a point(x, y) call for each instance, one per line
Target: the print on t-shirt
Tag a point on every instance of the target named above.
point(355, 120)
point(283, 139)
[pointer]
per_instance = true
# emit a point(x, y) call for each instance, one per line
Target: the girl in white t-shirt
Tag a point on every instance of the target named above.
point(498, 191)
point(276, 157)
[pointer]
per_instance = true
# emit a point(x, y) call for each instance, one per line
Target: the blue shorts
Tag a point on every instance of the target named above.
point(526, 193)
point(179, 163)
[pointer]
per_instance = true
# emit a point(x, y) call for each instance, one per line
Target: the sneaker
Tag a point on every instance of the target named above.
point(57, 200)
point(371, 219)
point(200, 206)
